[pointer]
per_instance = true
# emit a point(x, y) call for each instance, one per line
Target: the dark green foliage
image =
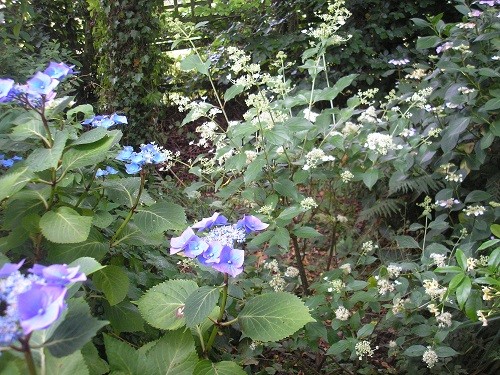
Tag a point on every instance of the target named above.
point(130, 63)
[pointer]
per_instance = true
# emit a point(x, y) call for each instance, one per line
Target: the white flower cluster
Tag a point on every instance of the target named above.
point(398, 305)
point(291, 272)
point(333, 21)
point(475, 210)
point(350, 128)
point(444, 320)
point(407, 133)
point(439, 259)
point(342, 313)
point(363, 348)
point(454, 177)
point(394, 271)
point(272, 266)
point(266, 209)
point(341, 219)
point(398, 62)
point(417, 74)
point(488, 293)
point(430, 357)
point(465, 90)
point(277, 283)
point(310, 115)
point(369, 116)
point(346, 176)
point(315, 157)
point(308, 203)
point(482, 318)
point(467, 25)
point(207, 133)
point(336, 286)
point(239, 59)
point(346, 268)
point(433, 289)
point(368, 247)
point(250, 156)
point(381, 143)
point(419, 98)
point(384, 286)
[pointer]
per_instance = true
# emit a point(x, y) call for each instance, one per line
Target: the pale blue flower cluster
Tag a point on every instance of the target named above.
point(216, 248)
point(34, 301)
point(7, 163)
point(105, 121)
point(105, 172)
point(148, 154)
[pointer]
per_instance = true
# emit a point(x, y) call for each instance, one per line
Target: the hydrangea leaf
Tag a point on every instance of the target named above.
point(44, 158)
point(163, 305)
point(29, 125)
point(65, 225)
point(173, 354)
point(73, 364)
point(205, 367)
point(160, 217)
point(114, 283)
point(14, 180)
point(77, 328)
point(273, 316)
point(94, 246)
point(91, 136)
point(200, 304)
point(123, 358)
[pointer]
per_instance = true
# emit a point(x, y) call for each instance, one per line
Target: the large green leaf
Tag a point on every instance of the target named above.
point(194, 62)
point(95, 364)
point(29, 125)
point(254, 170)
point(65, 225)
point(205, 367)
point(133, 235)
point(124, 359)
point(163, 305)
point(273, 316)
point(124, 317)
point(173, 354)
point(123, 191)
point(77, 328)
point(73, 364)
point(91, 153)
point(114, 283)
point(91, 136)
point(330, 93)
point(160, 217)
point(14, 180)
point(95, 247)
point(200, 304)
point(44, 158)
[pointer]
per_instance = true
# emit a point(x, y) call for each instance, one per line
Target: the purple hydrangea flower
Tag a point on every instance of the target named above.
point(230, 262)
point(209, 222)
point(211, 255)
point(251, 224)
point(9, 268)
point(40, 306)
point(189, 243)
point(58, 274)
point(59, 70)
point(177, 243)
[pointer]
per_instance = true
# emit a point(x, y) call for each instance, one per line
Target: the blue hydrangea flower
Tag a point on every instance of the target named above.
point(105, 121)
point(41, 84)
point(5, 88)
point(148, 154)
point(58, 274)
point(211, 254)
point(104, 172)
point(7, 163)
point(58, 70)
point(9, 268)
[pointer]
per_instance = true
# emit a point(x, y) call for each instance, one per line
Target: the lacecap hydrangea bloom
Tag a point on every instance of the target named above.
point(215, 247)
point(34, 301)
point(38, 89)
point(105, 121)
point(148, 154)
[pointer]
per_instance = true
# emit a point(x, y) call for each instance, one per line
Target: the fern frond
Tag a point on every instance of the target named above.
point(423, 184)
point(382, 208)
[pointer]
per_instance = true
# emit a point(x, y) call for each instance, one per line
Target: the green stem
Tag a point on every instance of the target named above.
point(213, 335)
point(28, 356)
point(113, 241)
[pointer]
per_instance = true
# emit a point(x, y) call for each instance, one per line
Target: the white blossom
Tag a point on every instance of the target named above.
point(363, 348)
point(381, 143)
point(342, 313)
point(430, 357)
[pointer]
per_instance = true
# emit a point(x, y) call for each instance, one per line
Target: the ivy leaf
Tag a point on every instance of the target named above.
point(205, 367)
point(160, 217)
point(163, 305)
point(273, 316)
point(174, 354)
point(114, 283)
point(77, 328)
point(65, 225)
point(200, 304)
